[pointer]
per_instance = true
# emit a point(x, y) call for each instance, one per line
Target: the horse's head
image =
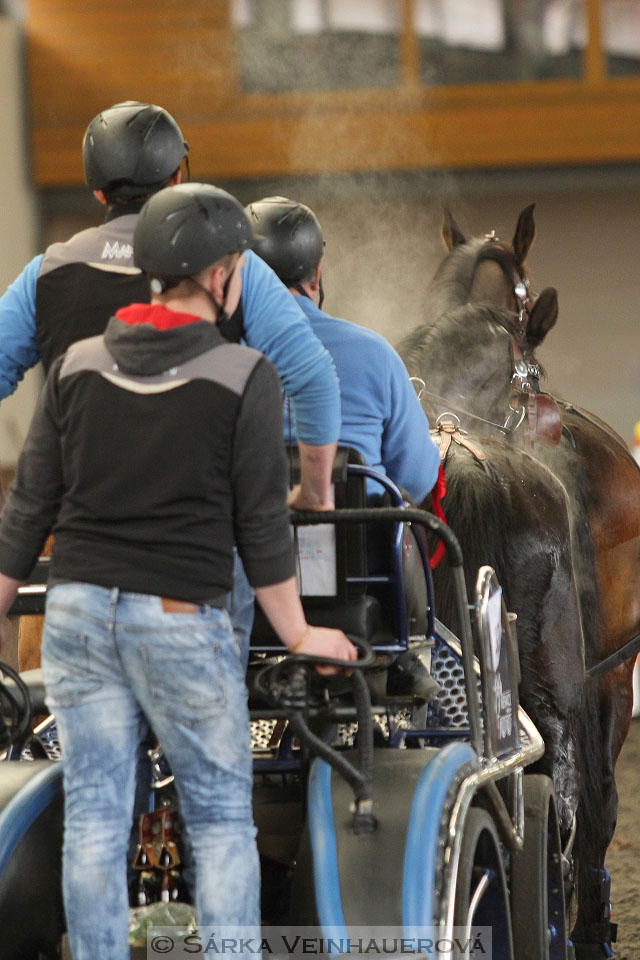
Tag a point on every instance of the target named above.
point(495, 273)
point(477, 348)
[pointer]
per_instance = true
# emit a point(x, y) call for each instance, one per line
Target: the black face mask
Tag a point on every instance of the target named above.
point(232, 328)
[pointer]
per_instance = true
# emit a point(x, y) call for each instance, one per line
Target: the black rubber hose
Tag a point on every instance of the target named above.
point(20, 712)
point(386, 515)
point(319, 748)
point(365, 734)
point(292, 696)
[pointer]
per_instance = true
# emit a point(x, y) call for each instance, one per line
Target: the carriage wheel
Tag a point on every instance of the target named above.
point(481, 887)
point(537, 896)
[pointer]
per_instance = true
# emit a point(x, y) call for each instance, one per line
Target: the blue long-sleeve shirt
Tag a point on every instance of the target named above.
point(289, 341)
point(18, 343)
point(381, 413)
point(273, 324)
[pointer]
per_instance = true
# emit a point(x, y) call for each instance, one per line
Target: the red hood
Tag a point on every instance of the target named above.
point(156, 314)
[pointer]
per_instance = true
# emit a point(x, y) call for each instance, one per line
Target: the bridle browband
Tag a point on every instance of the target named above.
point(496, 251)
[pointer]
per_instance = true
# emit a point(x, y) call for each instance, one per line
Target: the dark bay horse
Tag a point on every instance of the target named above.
point(476, 355)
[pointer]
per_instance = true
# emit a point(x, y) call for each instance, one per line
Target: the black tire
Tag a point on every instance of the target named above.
point(481, 863)
point(537, 892)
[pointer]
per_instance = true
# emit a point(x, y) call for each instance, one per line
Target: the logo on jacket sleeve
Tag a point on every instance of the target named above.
point(117, 251)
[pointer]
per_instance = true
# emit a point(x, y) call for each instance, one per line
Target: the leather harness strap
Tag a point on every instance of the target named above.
point(448, 430)
point(544, 420)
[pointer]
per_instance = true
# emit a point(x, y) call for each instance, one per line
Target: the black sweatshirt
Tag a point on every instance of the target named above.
point(154, 448)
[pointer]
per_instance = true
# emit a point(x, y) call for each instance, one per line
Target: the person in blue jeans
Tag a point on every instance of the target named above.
point(381, 414)
point(155, 448)
point(130, 151)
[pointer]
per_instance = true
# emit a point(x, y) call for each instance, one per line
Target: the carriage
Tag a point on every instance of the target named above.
point(394, 806)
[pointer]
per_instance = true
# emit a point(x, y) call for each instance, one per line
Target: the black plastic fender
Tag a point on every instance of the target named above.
point(387, 877)
point(31, 825)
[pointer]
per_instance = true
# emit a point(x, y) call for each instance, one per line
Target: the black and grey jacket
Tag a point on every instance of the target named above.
point(151, 451)
point(84, 280)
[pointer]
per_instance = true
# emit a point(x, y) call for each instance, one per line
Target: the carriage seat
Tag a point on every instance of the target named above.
point(331, 563)
point(366, 579)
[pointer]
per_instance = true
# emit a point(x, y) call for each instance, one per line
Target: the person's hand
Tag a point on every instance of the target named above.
point(326, 642)
point(301, 499)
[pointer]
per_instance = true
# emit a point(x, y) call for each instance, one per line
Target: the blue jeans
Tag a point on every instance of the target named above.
point(112, 662)
point(239, 603)
point(240, 606)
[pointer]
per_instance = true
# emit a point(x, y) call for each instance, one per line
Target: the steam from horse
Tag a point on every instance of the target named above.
point(559, 521)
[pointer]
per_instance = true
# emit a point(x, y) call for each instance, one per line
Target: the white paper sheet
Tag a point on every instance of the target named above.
point(316, 551)
point(494, 614)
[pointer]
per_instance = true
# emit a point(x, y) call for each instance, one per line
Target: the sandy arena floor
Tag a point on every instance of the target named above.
point(623, 859)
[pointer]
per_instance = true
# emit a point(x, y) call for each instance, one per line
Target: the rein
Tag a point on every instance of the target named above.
point(458, 410)
point(625, 652)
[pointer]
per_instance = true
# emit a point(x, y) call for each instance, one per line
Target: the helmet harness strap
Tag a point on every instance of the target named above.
point(222, 317)
point(300, 289)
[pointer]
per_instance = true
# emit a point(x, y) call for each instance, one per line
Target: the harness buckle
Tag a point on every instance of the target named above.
point(513, 412)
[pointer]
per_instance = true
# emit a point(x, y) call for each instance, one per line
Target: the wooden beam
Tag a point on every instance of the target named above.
point(409, 46)
point(595, 61)
point(81, 60)
point(531, 129)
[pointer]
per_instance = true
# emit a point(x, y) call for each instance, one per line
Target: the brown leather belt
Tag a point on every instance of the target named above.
point(169, 605)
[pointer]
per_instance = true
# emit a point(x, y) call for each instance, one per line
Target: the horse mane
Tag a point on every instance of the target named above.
point(451, 318)
point(519, 518)
point(453, 278)
point(499, 517)
point(446, 333)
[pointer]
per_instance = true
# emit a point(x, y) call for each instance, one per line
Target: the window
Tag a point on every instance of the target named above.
point(621, 36)
point(287, 45)
point(482, 41)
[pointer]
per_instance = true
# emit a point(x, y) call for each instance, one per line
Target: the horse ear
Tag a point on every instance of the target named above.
point(525, 233)
point(542, 317)
point(451, 232)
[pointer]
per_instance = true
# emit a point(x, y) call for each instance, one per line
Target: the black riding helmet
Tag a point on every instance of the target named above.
point(132, 149)
point(289, 237)
point(185, 228)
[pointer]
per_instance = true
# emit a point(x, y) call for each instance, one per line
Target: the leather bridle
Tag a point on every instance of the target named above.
point(527, 401)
